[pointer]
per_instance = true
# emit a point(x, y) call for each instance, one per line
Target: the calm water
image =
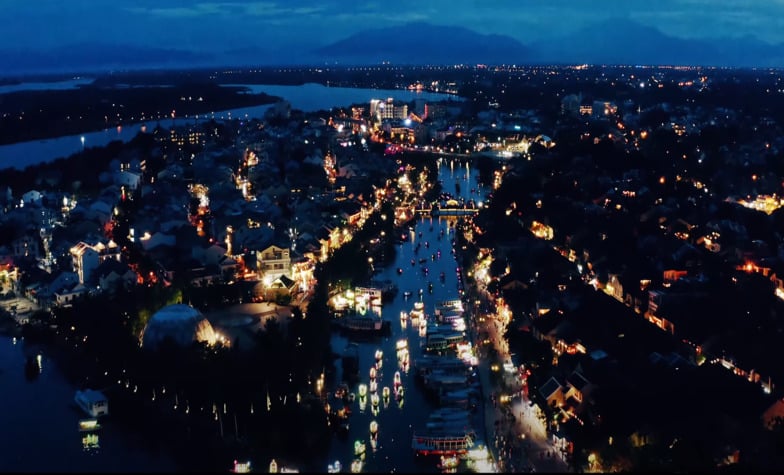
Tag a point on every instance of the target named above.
point(40, 423)
point(307, 97)
point(398, 424)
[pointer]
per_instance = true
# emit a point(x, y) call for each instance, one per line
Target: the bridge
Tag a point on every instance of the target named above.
point(436, 211)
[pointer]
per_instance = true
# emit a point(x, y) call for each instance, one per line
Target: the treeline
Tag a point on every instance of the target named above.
point(32, 115)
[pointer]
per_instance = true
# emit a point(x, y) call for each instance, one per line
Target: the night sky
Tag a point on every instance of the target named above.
point(219, 25)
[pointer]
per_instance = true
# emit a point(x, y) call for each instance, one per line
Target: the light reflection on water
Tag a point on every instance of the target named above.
point(40, 431)
point(40, 422)
point(400, 418)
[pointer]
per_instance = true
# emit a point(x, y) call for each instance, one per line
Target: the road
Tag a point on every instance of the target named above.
point(514, 432)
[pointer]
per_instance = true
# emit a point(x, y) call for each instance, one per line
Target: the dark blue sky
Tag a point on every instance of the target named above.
point(219, 25)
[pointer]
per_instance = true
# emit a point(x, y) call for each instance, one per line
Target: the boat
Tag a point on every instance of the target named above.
point(401, 344)
point(359, 447)
point(419, 305)
point(379, 355)
point(356, 466)
point(241, 467)
point(334, 467)
point(362, 323)
point(374, 399)
point(373, 386)
point(372, 373)
point(341, 391)
point(436, 343)
point(373, 427)
point(448, 462)
point(403, 316)
point(385, 392)
point(86, 425)
point(446, 444)
point(93, 402)
point(399, 393)
point(397, 378)
point(363, 390)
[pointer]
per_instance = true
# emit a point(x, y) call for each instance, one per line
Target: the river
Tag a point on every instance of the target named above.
point(307, 97)
point(398, 424)
point(40, 422)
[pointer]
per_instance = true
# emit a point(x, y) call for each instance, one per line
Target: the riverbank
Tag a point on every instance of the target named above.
point(41, 114)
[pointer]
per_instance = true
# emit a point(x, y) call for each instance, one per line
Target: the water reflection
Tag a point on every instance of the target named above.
point(47, 432)
point(425, 277)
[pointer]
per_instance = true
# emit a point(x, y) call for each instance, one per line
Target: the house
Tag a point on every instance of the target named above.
point(151, 241)
point(577, 388)
point(552, 392)
point(208, 254)
point(228, 267)
point(773, 415)
point(86, 257)
point(32, 197)
point(26, 245)
point(351, 212)
point(85, 260)
point(59, 291)
point(655, 299)
point(112, 274)
point(65, 295)
point(282, 286)
point(128, 178)
point(273, 262)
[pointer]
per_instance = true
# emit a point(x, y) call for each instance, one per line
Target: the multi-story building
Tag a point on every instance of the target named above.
point(389, 109)
point(86, 257)
point(273, 262)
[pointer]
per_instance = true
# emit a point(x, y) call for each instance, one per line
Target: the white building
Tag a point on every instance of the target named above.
point(86, 257)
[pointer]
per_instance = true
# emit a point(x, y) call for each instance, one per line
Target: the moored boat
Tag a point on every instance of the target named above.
point(334, 467)
point(86, 425)
point(93, 402)
point(359, 447)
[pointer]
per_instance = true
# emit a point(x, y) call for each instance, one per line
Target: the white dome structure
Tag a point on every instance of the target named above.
point(182, 323)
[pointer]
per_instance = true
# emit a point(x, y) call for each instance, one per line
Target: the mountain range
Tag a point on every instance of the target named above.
point(615, 41)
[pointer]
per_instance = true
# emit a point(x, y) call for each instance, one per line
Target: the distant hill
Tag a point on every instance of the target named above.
point(614, 41)
point(623, 41)
point(423, 43)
